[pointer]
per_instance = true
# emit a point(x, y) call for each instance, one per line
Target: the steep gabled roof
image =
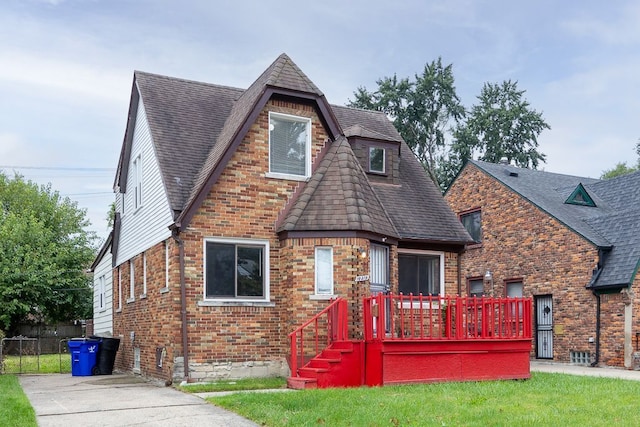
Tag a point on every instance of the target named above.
point(417, 208)
point(612, 223)
point(338, 197)
point(282, 76)
point(185, 120)
point(196, 128)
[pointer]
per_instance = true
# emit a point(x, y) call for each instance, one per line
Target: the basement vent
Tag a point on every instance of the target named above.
point(580, 357)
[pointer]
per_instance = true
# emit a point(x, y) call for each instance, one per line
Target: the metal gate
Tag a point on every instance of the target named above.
point(544, 327)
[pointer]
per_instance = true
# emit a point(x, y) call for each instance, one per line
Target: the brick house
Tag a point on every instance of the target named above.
point(242, 213)
point(571, 243)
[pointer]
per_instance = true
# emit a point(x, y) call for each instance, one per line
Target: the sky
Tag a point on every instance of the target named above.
point(66, 69)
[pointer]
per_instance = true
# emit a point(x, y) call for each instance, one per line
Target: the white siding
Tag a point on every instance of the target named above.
point(148, 225)
point(103, 317)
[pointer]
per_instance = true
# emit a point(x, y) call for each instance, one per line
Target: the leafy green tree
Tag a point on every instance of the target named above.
point(621, 168)
point(422, 110)
point(44, 253)
point(501, 125)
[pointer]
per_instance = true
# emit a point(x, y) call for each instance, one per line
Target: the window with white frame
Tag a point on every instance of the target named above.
point(421, 272)
point(166, 264)
point(376, 160)
point(379, 268)
point(324, 270)
point(289, 145)
point(132, 280)
point(137, 182)
point(119, 287)
point(144, 273)
point(236, 269)
point(101, 292)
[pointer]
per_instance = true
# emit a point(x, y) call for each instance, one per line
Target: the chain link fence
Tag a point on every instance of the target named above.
point(38, 350)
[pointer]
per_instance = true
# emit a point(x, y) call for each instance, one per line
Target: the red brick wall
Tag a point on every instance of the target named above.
point(153, 318)
point(243, 204)
point(521, 241)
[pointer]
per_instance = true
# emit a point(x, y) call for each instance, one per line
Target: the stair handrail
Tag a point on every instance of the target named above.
point(337, 330)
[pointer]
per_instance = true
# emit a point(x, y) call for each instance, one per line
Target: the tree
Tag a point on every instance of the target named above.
point(421, 110)
point(44, 252)
point(621, 168)
point(501, 125)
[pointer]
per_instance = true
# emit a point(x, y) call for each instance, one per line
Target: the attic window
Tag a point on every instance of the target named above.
point(580, 197)
point(376, 160)
point(289, 146)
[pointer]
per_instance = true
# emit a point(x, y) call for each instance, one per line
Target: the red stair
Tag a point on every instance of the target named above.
point(339, 365)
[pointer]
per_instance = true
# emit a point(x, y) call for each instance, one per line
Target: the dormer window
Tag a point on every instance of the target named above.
point(377, 160)
point(289, 146)
point(580, 197)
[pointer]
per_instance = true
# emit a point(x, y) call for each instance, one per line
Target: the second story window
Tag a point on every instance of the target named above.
point(137, 182)
point(289, 146)
point(472, 222)
point(376, 160)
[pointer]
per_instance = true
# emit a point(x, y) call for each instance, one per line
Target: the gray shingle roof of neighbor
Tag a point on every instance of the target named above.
point(338, 197)
point(613, 224)
point(194, 125)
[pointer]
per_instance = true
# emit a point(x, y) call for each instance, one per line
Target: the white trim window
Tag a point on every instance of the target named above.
point(120, 287)
point(236, 269)
point(132, 280)
point(137, 182)
point(144, 274)
point(166, 264)
point(289, 146)
point(102, 292)
point(421, 272)
point(324, 270)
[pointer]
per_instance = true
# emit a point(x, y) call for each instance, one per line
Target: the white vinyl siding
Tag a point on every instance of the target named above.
point(143, 228)
point(103, 284)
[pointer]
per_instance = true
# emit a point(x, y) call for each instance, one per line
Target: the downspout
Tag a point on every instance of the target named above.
point(459, 274)
point(597, 359)
point(183, 304)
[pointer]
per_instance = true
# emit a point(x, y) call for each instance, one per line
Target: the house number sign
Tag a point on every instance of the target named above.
point(362, 278)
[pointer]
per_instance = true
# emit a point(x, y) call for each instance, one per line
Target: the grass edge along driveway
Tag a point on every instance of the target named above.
point(15, 408)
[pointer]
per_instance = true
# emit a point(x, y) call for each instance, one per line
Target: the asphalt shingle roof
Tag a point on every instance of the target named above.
point(338, 197)
point(194, 125)
point(613, 224)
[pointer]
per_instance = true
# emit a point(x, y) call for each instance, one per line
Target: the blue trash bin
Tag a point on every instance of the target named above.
point(83, 356)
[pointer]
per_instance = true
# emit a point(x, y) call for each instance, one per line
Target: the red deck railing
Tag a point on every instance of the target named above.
point(402, 317)
point(316, 334)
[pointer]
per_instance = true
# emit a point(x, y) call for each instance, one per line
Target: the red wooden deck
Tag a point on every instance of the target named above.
point(414, 339)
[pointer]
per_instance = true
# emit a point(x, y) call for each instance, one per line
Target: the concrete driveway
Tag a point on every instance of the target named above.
point(118, 400)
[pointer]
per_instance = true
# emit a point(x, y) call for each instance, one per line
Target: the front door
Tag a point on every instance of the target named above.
point(544, 327)
point(379, 276)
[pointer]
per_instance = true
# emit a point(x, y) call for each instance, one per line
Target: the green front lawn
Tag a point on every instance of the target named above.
point(544, 400)
point(15, 409)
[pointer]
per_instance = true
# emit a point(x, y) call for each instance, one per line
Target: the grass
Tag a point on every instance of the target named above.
point(545, 399)
point(235, 385)
point(48, 364)
point(15, 409)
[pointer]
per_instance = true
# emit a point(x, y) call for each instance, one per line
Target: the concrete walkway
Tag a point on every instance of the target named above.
point(562, 368)
point(119, 400)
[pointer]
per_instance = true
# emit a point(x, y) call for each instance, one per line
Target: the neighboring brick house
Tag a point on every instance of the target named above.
point(241, 213)
point(571, 243)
